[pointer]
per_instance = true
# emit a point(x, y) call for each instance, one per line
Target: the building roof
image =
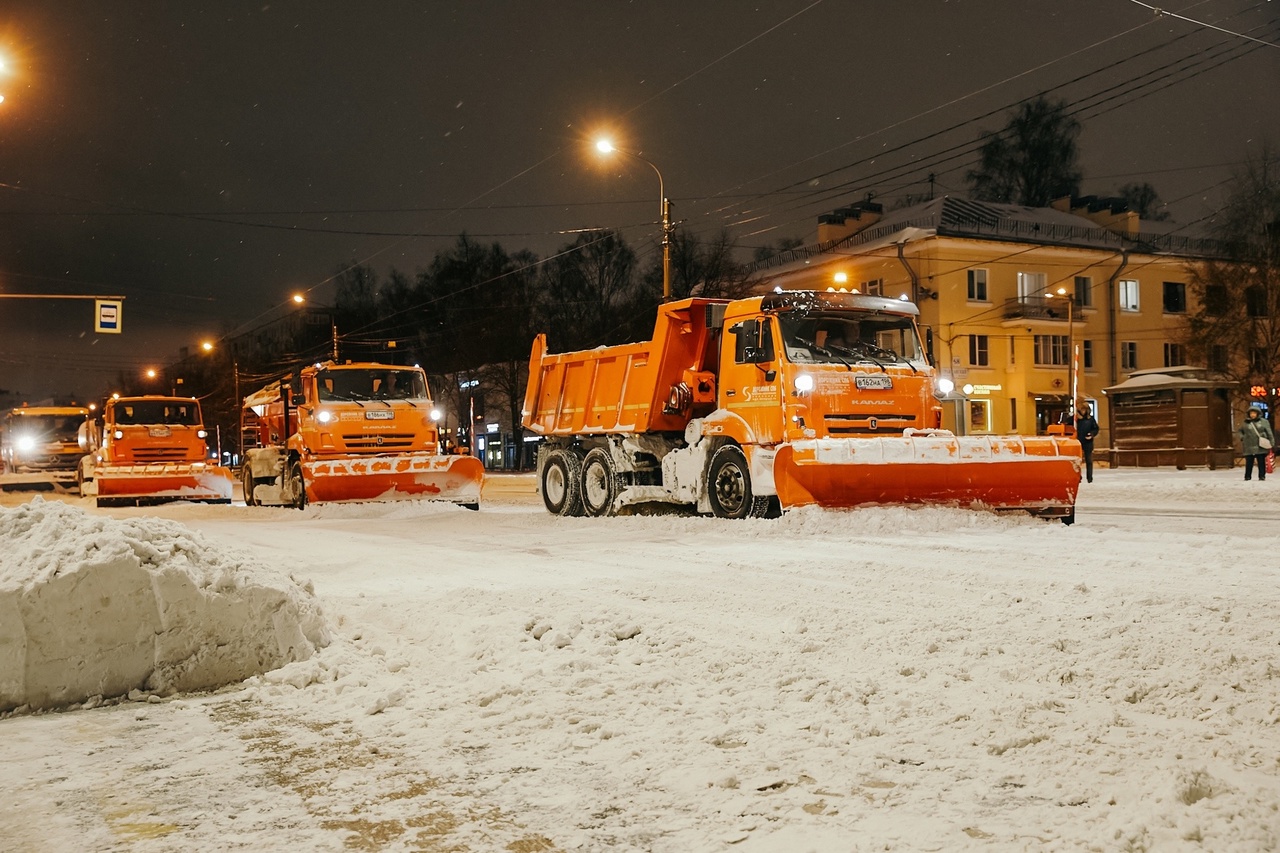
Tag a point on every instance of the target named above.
point(953, 216)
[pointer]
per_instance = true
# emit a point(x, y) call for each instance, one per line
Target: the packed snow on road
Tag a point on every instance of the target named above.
point(415, 676)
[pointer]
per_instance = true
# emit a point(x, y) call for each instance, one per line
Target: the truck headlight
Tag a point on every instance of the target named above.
point(26, 443)
point(804, 384)
point(118, 434)
point(324, 416)
point(436, 414)
point(201, 434)
point(945, 386)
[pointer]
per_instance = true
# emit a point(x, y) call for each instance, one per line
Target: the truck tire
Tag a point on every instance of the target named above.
point(729, 486)
point(297, 485)
point(599, 483)
point(247, 484)
point(561, 484)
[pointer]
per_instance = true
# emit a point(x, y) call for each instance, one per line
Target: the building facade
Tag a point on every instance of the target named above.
point(1024, 307)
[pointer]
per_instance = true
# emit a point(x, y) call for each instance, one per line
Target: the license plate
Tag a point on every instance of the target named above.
point(159, 432)
point(379, 415)
point(873, 382)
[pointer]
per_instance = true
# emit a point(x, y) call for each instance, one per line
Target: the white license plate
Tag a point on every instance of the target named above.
point(379, 415)
point(873, 382)
point(159, 432)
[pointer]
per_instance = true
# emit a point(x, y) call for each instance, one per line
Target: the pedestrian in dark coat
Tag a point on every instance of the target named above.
point(1086, 432)
point(1256, 441)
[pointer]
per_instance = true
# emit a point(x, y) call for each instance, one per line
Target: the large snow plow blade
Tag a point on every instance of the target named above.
point(1037, 474)
point(162, 482)
point(409, 476)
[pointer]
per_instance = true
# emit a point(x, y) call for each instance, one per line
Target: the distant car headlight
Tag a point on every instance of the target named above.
point(26, 443)
point(945, 386)
point(436, 414)
point(324, 416)
point(804, 383)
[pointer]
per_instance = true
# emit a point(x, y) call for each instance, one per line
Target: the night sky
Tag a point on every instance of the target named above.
point(206, 160)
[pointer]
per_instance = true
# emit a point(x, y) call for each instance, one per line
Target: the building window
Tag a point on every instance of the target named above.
point(1258, 362)
point(1218, 358)
point(875, 287)
point(1128, 294)
point(1128, 355)
point(1175, 297)
point(1013, 414)
point(1051, 350)
point(978, 351)
point(977, 285)
point(1255, 301)
point(1174, 355)
point(1084, 291)
point(979, 416)
point(1215, 300)
point(1086, 354)
point(1030, 284)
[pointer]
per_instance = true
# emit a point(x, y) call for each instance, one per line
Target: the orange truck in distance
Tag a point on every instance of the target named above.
point(750, 407)
point(41, 446)
point(154, 449)
point(351, 432)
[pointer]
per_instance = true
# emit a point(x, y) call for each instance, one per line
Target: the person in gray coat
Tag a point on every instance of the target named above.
point(1256, 441)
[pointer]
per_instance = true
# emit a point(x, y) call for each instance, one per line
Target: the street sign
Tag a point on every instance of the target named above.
point(107, 315)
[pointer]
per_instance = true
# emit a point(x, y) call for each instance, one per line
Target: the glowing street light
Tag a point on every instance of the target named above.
point(207, 346)
point(604, 146)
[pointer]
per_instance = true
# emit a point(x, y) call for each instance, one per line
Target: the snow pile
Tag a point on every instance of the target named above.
point(91, 606)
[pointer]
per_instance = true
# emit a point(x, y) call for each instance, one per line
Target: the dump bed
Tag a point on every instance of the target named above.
point(653, 386)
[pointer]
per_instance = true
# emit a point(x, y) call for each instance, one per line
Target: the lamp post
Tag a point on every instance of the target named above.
point(604, 146)
point(1071, 350)
point(299, 299)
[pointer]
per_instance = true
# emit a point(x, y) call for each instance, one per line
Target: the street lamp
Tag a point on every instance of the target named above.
point(299, 299)
point(1071, 349)
point(604, 146)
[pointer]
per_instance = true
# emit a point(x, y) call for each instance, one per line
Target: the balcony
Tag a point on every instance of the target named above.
point(1037, 308)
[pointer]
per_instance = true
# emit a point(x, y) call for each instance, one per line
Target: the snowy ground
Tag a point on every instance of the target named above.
point(879, 679)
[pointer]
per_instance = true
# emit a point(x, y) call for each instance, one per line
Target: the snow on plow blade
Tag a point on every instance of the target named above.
point(411, 476)
point(1038, 474)
point(157, 483)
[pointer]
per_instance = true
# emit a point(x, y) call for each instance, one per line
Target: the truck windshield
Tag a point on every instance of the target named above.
point(371, 384)
point(848, 338)
point(51, 427)
point(179, 413)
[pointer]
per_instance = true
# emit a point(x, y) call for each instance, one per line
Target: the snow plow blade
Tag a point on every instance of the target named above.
point(162, 482)
point(410, 476)
point(1040, 475)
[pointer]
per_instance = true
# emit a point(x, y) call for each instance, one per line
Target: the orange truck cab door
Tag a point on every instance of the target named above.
point(749, 374)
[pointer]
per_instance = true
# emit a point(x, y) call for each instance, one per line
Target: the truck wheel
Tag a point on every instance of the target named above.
point(599, 483)
point(247, 484)
point(729, 486)
point(562, 483)
point(297, 485)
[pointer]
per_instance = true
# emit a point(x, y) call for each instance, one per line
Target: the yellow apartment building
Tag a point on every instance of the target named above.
point(1021, 304)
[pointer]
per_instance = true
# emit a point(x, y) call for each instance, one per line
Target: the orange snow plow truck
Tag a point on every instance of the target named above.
point(753, 406)
point(350, 432)
point(154, 449)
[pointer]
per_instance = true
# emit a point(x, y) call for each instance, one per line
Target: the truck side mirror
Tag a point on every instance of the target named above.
point(928, 345)
point(754, 343)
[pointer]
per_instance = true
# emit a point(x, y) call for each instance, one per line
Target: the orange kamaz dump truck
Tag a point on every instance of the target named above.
point(750, 407)
point(154, 449)
point(351, 432)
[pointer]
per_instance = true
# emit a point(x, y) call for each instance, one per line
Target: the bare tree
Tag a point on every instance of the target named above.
point(1234, 327)
point(1144, 201)
point(1033, 160)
